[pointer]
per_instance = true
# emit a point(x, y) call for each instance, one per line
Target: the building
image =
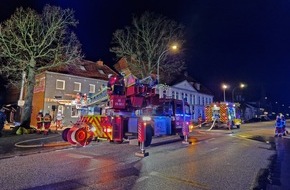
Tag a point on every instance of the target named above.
point(66, 89)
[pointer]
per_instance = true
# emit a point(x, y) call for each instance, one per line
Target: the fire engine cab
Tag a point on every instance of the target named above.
point(131, 105)
point(223, 113)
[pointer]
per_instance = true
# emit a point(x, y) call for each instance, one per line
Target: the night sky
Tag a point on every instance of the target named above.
point(227, 41)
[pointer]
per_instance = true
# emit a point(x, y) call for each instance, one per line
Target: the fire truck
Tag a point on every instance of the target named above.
point(223, 113)
point(130, 105)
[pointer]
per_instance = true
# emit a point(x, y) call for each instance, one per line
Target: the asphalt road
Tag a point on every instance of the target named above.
point(217, 159)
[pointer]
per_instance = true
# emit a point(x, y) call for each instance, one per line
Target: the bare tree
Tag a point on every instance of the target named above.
point(147, 43)
point(32, 42)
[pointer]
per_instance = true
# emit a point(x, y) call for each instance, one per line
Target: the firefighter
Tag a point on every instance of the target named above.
point(59, 118)
point(39, 121)
point(278, 127)
point(47, 122)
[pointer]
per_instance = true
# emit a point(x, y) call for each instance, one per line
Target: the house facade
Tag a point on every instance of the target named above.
point(60, 90)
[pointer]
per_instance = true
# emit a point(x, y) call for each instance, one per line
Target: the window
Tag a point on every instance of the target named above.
point(60, 84)
point(74, 111)
point(101, 71)
point(77, 86)
point(92, 88)
point(177, 95)
point(173, 95)
point(82, 68)
point(164, 93)
point(60, 109)
point(190, 99)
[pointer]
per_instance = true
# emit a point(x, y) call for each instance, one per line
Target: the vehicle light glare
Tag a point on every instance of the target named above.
point(146, 118)
point(93, 129)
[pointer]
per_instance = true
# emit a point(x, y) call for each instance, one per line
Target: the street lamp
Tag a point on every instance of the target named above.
point(233, 91)
point(224, 86)
point(174, 47)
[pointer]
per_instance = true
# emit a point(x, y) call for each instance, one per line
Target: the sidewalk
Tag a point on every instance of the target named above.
point(19, 145)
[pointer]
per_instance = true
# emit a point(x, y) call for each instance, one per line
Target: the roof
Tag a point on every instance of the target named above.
point(86, 68)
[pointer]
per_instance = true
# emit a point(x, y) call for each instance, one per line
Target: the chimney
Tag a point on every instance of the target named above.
point(100, 63)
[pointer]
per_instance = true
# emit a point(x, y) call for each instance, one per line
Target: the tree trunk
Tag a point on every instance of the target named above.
point(26, 114)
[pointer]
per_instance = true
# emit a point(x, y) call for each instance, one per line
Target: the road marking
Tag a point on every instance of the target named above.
point(213, 149)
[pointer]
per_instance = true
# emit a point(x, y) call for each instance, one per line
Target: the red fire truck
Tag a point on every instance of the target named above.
point(131, 105)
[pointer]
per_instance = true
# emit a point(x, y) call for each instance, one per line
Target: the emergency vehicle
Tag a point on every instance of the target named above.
point(223, 113)
point(131, 105)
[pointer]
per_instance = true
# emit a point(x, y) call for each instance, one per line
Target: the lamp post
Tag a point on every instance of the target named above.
point(174, 47)
point(224, 86)
point(233, 91)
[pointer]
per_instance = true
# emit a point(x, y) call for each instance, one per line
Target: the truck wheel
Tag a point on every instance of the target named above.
point(64, 134)
point(238, 126)
point(148, 136)
point(181, 136)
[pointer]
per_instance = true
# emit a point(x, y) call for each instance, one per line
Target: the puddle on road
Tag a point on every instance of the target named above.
point(271, 176)
point(268, 140)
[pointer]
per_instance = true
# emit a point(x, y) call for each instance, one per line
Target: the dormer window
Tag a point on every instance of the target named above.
point(101, 71)
point(82, 68)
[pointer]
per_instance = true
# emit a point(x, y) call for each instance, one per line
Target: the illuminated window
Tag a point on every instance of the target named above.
point(92, 88)
point(77, 86)
point(60, 108)
point(60, 84)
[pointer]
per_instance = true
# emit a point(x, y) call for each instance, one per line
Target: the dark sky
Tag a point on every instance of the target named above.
point(228, 41)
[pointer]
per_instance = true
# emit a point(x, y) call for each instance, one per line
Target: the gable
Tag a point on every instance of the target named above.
point(184, 85)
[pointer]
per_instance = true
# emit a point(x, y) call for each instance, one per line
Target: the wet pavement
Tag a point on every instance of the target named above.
point(20, 145)
point(276, 176)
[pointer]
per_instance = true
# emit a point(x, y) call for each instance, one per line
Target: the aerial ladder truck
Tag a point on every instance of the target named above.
point(131, 105)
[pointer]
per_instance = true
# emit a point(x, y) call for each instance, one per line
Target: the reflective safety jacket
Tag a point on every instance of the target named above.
point(39, 118)
point(47, 119)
